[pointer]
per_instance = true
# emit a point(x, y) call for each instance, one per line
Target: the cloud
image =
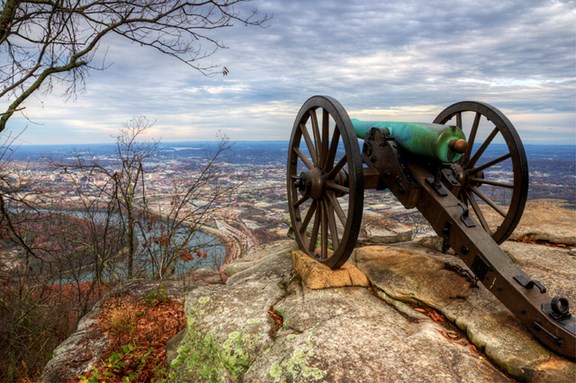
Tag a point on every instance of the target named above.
point(406, 58)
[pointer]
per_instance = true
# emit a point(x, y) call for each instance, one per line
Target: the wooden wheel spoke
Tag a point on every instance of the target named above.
point(331, 222)
point(331, 185)
point(337, 209)
point(488, 201)
point(301, 201)
point(315, 229)
point(308, 217)
point(482, 148)
point(478, 212)
point(325, 138)
point(304, 159)
point(472, 137)
point(490, 163)
point(316, 133)
point(343, 161)
point(459, 120)
point(331, 155)
point(323, 231)
point(309, 143)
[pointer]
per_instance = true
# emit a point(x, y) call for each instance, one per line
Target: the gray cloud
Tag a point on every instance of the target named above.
point(371, 55)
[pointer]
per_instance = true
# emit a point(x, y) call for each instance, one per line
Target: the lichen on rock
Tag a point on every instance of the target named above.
point(204, 359)
point(296, 367)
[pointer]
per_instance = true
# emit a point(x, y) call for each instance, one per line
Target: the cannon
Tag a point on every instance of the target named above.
point(466, 172)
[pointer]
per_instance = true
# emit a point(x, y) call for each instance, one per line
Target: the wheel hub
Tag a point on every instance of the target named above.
point(478, 175)
point(311, 184)
point(462, 175)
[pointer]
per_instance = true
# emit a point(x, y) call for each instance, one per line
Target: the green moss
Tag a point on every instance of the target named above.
point(296, 368)
point(204, 358)
point(254, 321)
point(203, 300)
point(234, 356)
point(276, 372)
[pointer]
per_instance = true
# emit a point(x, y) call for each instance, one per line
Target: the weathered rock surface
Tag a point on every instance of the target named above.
point(547, 220)
point(380, 229)
point(421, 319)
point(267, 326)
point(410, 273)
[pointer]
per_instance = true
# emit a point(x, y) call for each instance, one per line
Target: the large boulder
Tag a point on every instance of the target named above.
point(266, 326)
point(422, 319)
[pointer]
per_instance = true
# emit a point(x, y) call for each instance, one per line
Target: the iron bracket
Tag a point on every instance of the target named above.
point(527, 283)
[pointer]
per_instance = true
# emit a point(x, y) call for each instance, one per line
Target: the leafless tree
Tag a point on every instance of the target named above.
point(159, 229)
point(48, 41)
point(179, 223)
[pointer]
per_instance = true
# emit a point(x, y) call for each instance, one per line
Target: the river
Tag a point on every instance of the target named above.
point(208, 244)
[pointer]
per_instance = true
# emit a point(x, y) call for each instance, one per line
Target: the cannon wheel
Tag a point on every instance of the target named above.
point(494, 169)
point(325, 181)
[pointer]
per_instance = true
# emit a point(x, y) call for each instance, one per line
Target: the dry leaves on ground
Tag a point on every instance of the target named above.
point(137, 330)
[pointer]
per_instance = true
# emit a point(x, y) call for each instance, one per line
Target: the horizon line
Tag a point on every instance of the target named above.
point(252, 141)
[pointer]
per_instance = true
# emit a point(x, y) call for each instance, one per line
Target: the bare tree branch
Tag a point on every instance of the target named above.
point(56, 40)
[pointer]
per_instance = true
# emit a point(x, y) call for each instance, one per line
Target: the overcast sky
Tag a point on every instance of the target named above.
point(384, 60)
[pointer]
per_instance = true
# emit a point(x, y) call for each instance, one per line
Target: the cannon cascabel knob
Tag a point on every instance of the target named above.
point(458, 146)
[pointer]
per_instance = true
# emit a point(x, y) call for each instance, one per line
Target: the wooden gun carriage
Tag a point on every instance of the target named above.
point(466, 173)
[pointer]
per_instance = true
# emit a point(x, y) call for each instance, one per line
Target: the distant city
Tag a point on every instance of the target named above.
point(552, 167)
point(261, 203)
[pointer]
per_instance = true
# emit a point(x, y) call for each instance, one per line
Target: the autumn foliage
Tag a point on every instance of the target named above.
point(137, 330)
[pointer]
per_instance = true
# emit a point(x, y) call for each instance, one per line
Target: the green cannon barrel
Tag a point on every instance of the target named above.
point(445, 143)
